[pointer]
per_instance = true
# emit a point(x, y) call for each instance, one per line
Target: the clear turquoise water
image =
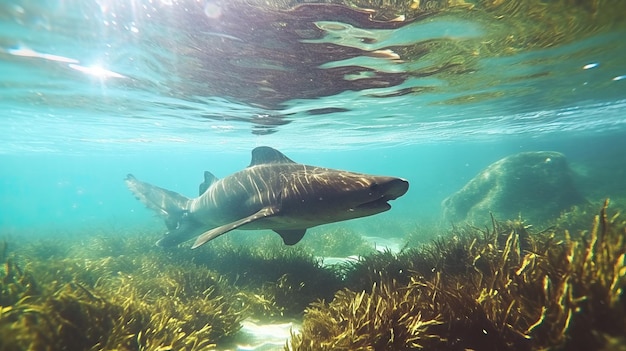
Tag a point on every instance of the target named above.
point(93, 90)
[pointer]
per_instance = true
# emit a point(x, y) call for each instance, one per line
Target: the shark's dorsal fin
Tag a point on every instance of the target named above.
point(265, 154)
point(209, 179)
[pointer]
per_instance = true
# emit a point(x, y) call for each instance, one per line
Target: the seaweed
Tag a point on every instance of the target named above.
point(507, 286)
point(115, 292)
point(501, 288)
point(274, 280)
point(15, 284)
point(115, 302)
point(337, 242)
point(388, 317)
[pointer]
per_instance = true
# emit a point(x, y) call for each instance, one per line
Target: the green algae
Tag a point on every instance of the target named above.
point(508, 286)
point(499, 288)
point(281, 281)
point(388, 317)
point(337, 242)
point(117, 293)
point(89, 304)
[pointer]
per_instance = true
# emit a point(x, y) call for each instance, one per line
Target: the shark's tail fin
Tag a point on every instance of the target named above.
point(172, 206)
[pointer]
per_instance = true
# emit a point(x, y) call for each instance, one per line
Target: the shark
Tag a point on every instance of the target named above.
point(273, 193)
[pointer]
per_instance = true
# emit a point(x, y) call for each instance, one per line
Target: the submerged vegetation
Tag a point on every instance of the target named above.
point(119, 293)
point(111, 303)
point(503, 288)
point(506, 287)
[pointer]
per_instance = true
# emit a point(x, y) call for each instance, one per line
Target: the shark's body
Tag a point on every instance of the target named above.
point(273, 192)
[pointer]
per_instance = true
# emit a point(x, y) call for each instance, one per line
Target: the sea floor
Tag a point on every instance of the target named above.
point(557, 285)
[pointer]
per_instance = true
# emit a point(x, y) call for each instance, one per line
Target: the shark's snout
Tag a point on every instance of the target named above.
point(384, 189)
point(393, 188)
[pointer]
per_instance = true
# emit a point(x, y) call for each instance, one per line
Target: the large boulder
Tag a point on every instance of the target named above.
point(536, 185)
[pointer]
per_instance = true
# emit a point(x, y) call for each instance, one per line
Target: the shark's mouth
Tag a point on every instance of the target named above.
point(379, 204)
point(389, 190)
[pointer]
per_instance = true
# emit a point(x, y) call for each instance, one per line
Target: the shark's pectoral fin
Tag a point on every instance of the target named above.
point(215, 232)
point(291, 237)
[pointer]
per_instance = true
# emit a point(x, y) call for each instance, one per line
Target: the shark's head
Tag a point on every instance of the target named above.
point(374, 197)
point(331, 196)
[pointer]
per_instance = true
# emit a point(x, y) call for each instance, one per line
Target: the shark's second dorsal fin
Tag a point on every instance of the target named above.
point(265, 154)
point(209, 179)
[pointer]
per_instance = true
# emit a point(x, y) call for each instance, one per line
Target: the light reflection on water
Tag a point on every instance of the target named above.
point(130, 74)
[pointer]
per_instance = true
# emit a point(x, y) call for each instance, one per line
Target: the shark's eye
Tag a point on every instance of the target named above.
point(374, 187)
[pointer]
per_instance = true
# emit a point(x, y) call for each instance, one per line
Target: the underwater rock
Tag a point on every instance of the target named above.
point(536, 185)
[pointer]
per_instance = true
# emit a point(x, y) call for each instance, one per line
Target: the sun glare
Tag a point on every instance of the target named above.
point(96, 71)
